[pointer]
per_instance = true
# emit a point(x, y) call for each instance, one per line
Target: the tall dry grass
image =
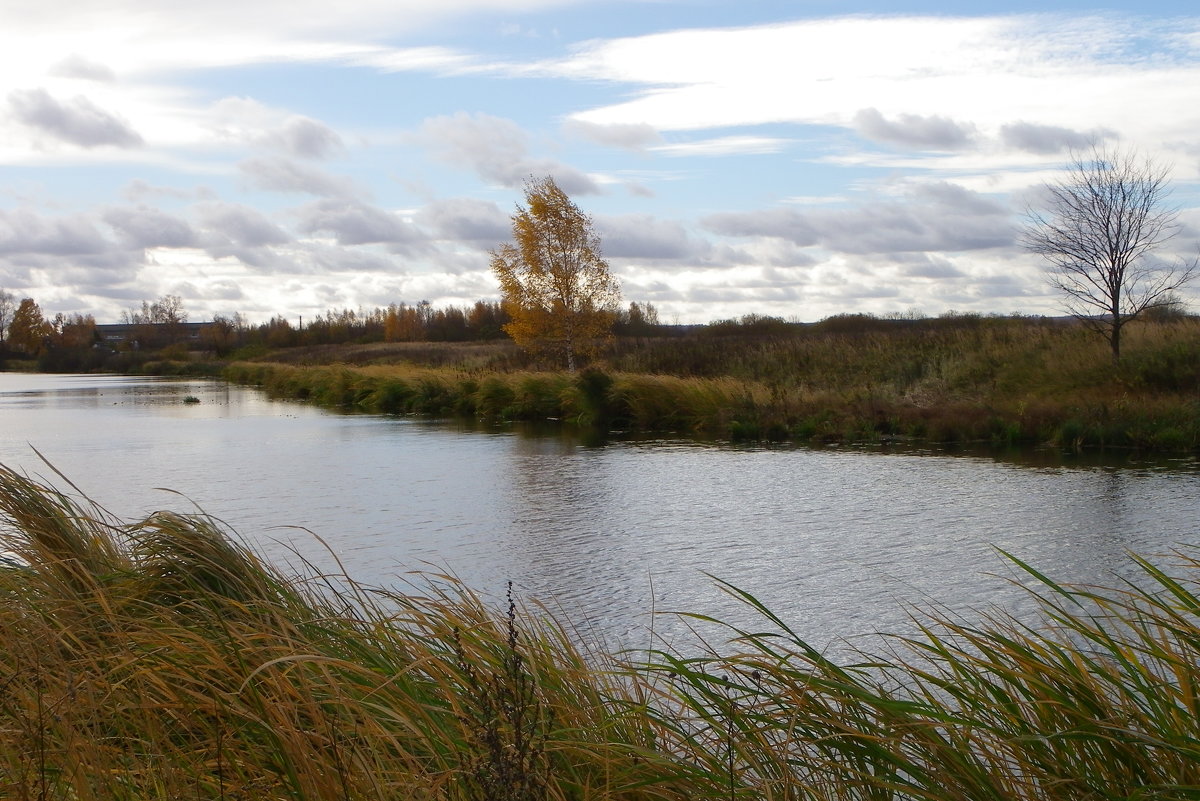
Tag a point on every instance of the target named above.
point(1096, 700)
point(161, 659)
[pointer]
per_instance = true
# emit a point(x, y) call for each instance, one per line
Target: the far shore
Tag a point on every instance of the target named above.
point(1004, 381)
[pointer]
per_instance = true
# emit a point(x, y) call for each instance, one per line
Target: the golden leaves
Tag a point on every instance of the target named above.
point(557, 288)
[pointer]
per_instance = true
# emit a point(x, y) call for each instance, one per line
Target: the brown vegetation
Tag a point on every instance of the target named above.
point(159, 659)
point(962, 379)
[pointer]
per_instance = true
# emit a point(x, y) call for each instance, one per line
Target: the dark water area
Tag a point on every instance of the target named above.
point(842, 542)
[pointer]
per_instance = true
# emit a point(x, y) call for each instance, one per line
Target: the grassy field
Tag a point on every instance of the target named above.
point(161, 659)
point(993, 380)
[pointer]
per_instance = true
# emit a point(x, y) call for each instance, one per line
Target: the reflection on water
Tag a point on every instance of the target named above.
point(842, 541)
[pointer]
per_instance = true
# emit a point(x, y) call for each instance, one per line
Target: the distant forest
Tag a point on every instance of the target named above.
point(77, 342)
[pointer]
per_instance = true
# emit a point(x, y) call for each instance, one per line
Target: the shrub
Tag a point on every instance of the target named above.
point(391, 396)
point(495, 398)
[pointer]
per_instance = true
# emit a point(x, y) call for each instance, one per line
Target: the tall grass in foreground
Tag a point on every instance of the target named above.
point(160, 659)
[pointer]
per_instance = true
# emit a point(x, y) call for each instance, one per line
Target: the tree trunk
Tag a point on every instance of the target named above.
point(1115, 340)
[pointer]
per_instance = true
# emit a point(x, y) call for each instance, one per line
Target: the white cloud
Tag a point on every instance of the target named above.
point(56, 44)
point(635, 137)
point(138, 190)
point(933, 132)
point(245, 121)
point(356, 223)
point(78, 67)
point(302, 137)
point(930, 217)
point(478, 222)
point(1049, 139)
point(724, 146)
point(229, 225)
point(145, 227)
point(408, 59)
point(283, 18)
point(22, 233)
point(77, 121)
point(276, 174)
point(496, 149)
point(641, 236)
point(1047, 70)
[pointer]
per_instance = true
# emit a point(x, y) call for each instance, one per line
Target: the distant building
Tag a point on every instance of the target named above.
point(159, 333)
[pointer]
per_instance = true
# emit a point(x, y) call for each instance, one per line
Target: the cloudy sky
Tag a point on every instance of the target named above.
point(799, 158)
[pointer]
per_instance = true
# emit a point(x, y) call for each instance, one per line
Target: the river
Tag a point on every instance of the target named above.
point(843, 542)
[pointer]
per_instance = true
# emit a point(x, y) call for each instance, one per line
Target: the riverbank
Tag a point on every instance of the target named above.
point(1005, 381)
point(161, 659)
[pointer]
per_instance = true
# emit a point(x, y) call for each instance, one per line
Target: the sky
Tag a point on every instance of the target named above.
point(797, 159)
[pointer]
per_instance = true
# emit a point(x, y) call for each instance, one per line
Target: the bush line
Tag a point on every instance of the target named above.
point(732, 409)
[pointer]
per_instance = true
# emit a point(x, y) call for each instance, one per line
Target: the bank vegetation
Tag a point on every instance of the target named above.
point(958, 378)
point(966, 379)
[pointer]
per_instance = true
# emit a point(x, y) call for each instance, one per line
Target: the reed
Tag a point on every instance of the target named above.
point(161, 658)
point(1097, 700)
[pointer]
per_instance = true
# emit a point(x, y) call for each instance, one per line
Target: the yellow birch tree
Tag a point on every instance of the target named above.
point(558, 291)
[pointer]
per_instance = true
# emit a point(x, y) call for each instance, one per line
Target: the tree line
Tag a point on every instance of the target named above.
point(485, 320)
point(25, 331)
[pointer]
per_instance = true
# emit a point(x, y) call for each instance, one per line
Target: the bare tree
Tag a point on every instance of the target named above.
point(158, 323)
point(167, 310)
point(1099, 231)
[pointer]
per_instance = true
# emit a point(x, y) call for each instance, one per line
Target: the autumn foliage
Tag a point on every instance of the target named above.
point(557, 289)
point(29, 330)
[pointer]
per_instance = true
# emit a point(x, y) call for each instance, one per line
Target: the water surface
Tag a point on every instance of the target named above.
point(842, 541)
